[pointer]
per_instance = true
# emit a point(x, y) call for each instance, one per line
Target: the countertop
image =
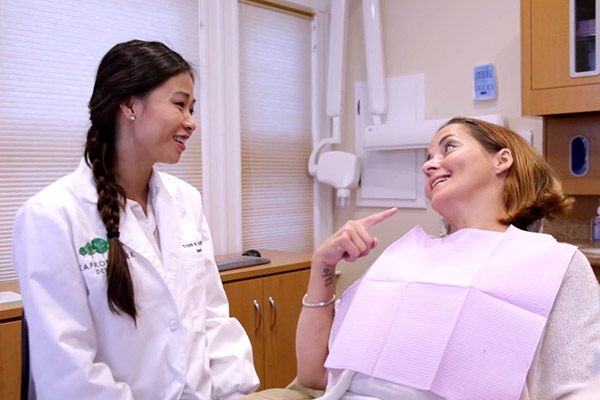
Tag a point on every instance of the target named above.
point(577, 232)
point(10, 310)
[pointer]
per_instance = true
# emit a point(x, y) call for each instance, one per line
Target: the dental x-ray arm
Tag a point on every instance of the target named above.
point(336, 168)
point(335, 79)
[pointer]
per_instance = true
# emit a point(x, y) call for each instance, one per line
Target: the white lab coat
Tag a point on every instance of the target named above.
point(185, 345)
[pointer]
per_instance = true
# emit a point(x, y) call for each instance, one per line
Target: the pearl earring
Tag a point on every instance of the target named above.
point(132, 117)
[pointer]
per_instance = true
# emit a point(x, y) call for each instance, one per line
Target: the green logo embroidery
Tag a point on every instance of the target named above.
point(96, 245)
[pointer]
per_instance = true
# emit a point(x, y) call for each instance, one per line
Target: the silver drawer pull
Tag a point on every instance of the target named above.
point(257, 315)
point(273, 312)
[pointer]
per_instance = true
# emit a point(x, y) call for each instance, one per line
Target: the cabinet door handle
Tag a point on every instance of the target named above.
point(257, 315)
point(273, 312)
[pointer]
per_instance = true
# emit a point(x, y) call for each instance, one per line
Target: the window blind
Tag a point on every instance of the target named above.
point(275, 107)
point(49, 52)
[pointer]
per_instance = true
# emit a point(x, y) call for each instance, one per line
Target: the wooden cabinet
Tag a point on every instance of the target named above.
point(559, 130)
point(547, 87)
point(10, 347)
point(267, 301)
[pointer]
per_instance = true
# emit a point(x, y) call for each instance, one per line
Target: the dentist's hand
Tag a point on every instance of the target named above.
point(351, 242)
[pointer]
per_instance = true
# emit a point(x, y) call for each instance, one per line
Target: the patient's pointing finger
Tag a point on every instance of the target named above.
point(375, 219)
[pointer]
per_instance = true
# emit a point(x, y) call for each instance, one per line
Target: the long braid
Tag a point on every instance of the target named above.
point(111, 197)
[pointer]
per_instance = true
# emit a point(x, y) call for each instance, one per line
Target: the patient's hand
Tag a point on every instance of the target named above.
point(351, 242)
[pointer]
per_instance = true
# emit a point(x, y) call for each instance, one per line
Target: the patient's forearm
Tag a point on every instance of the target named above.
point(314, 325)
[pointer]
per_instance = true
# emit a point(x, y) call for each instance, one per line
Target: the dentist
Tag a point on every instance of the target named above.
point(115, 261)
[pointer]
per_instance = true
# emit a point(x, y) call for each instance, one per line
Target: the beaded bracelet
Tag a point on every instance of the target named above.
point(316, 305)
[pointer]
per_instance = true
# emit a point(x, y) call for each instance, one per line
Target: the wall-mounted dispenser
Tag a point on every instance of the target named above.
point(571, 144)
point(579, 155)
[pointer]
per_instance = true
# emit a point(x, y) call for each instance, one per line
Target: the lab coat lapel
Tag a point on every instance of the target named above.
point(168, 215)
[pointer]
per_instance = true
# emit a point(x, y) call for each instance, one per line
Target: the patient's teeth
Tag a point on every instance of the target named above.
point(180, 139)
point(442, 179)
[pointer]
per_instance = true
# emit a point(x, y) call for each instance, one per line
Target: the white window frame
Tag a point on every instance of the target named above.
point(219, 100)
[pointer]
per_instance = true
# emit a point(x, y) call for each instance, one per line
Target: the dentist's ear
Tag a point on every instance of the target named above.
point(127, 110)
point(504, 160)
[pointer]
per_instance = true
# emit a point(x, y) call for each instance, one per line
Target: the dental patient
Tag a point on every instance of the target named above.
point(488, 311)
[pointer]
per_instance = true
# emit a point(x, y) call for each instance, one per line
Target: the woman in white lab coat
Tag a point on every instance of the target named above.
point(115, 261)
point(488, 311)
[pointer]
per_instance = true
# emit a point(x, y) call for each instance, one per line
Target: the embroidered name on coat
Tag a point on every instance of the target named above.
point(197, 245)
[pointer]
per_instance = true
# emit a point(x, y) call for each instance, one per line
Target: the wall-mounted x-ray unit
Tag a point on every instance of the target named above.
point(391, 130)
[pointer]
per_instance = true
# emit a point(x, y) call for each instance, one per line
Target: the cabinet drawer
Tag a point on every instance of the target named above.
point(10, 359)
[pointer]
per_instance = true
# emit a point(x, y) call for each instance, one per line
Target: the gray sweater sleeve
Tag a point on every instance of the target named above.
point(563, 362)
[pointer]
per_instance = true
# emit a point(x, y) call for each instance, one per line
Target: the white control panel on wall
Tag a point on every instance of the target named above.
point(484, 82)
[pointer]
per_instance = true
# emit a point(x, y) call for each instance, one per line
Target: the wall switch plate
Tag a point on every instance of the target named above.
point(484, 80)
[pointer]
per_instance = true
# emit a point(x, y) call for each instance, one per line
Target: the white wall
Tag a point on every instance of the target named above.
point(444, 40)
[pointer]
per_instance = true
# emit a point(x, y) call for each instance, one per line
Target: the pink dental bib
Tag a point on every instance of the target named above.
point(460, 316)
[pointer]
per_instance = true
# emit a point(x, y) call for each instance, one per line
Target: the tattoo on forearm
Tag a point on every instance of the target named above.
point(327, 275)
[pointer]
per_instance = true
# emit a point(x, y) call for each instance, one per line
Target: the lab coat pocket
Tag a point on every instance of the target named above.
point(193, 292)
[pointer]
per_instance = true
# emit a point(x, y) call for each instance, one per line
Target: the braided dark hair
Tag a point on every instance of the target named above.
point(131, 68)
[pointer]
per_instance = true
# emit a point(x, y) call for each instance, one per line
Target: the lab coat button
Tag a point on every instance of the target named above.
point(173, 325)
